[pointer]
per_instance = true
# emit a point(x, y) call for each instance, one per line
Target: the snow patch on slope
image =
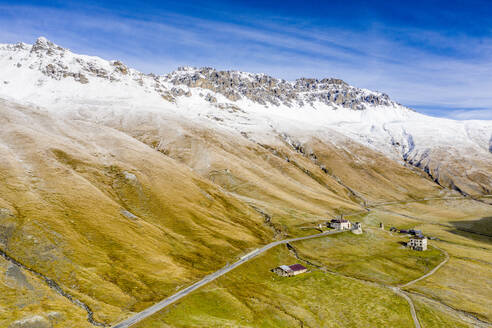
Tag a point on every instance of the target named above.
point(90, 88)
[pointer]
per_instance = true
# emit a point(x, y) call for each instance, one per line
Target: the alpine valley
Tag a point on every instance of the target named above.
point(119, 189)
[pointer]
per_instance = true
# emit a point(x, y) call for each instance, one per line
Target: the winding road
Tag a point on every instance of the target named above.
point(431, 272)
point(400, 292)
point(396, 289)
point(182, 293)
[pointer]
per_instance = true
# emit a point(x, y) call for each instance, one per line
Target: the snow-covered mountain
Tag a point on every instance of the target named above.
point(456, 154)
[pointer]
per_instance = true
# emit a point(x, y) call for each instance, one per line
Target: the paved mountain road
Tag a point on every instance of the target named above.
point(182, 293)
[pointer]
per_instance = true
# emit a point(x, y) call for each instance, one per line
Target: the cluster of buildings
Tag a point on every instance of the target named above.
point(417, 241)
point(290, 270)
point(410, 231)
point(338, 224)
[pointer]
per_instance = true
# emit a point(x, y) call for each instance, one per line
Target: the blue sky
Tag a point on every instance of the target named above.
point(434, 56)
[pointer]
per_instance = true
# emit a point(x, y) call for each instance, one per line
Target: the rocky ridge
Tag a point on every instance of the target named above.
point(266, 90)
point(455, 154)
point(59, 63)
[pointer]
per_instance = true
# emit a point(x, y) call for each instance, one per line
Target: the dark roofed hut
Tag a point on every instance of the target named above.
point(297, 269)
point(290, 270)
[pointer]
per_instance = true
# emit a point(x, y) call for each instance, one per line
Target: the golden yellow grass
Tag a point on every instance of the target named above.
point(464, 282)
point(375, 255)
point(432, 315)
point(252, 296)
point(67, 185)
point(66, 193)
point(27, 294)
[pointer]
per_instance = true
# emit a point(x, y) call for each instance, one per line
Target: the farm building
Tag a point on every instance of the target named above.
point(340, 224)
point(415, 232)
point(290, 270)
point(418, 243)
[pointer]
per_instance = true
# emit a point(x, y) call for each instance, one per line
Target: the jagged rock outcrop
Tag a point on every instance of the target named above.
point(59, 63)
point(264, 89)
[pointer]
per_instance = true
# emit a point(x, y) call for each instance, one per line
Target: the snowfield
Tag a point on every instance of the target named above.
point(96, 90)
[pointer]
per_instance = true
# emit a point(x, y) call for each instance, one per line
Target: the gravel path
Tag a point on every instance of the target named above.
point(398, 290)
point(401, 293)
point(431, 272)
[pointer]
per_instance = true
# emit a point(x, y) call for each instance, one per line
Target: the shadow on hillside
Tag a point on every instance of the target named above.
point(480, 229)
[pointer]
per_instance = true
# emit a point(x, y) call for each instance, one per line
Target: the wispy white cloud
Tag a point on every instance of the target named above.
point(447, 71)
point(471, 114)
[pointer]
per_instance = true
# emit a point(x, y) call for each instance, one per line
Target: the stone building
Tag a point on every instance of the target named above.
point(418, 243)
point(340, 224)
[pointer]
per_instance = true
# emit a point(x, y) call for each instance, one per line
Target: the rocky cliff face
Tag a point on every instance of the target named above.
point(266, 90)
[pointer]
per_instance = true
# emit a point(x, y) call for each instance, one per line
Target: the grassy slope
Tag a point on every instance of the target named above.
point(21, 293)
point(432, 316)
point(64, 185)
point(251, 296)
point(370, 173)
point(266, 168)
point(463, 283)
point(374, 256)
point(250, 170)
